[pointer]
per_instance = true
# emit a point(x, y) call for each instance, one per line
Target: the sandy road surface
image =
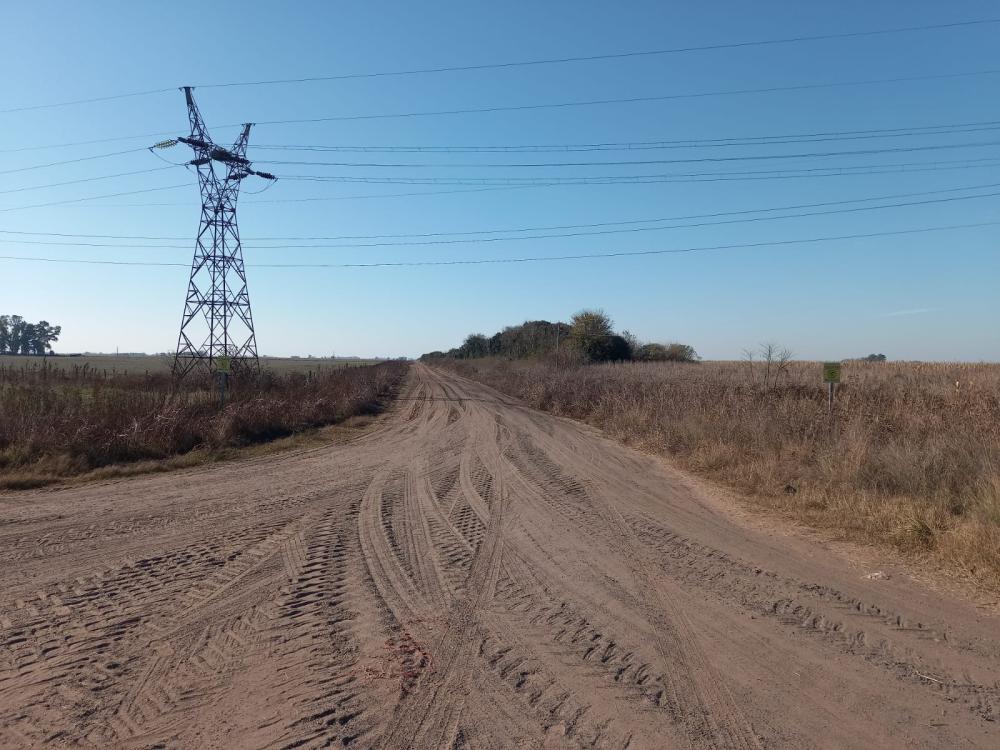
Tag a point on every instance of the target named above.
point(470, 574)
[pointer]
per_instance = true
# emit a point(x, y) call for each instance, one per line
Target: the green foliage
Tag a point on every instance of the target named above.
point(17, 336)
point(533, 338)
point(875, 358)
point(589, 337)
point(476, 345)
point(592, 334)
point(666, 353)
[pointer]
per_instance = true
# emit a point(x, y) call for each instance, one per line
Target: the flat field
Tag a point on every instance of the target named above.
point(154, 364)
point(59, 419)
point(910, 456)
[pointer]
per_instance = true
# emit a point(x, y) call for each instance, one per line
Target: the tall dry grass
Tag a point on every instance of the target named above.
point(58, 422)
point(910, 457)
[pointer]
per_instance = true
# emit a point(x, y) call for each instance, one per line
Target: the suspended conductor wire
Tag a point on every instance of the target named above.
point(760, 140)
point(693, 160)
point(529, 63)
point(633, 99)
point(485, 240)
point(533, 259)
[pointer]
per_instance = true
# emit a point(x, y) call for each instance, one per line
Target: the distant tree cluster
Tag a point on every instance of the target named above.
point(18, 336)
point(530, 339)
point(875, 358)
point(588, 337)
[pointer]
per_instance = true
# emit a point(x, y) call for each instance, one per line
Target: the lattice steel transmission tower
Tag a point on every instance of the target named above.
point(217, 328)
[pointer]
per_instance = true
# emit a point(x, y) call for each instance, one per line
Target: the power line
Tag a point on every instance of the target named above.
point(481, 239)
point(84, 179)
point(763, 140)
point(533, 259)
point(326, 198)
point(72, 161)
point(634, 99)
point(549, 181)
point(94, 197)
point(610, 56)
point(694, 160)
point(554, 180)
point(558, 227)
point(630, 100)
point(91, 100)
point(528, 63)
point(910, 168)
point(509, 230)
point(93, 141)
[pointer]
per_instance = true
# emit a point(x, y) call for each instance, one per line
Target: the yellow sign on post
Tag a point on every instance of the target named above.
point(831, 372)
point(223, 365)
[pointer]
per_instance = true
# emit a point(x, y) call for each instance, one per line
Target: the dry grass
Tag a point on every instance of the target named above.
point(57, 423)
point(911, 457)
point(111, 365)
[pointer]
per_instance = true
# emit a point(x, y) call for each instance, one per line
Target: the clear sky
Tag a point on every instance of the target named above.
point(930, 295)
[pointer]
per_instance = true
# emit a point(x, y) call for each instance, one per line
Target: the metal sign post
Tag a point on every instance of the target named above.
point(831, 376)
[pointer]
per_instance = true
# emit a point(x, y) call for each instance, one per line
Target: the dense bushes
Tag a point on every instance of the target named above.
point(532, 338)
point(665, 353)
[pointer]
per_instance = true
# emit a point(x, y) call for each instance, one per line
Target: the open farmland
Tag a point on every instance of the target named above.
point(910, 456)
point(154, 364)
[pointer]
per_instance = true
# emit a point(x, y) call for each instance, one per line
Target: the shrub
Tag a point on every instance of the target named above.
point(666, 353)
point(592, 334)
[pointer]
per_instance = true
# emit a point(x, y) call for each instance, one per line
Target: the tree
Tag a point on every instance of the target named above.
point(17, 336)
point(589, 337)
point(666, 353)
point(45, 335)
point(633, 342)
point(475, 345)
point(592, 334)
point(774, 359)
point(875, 358)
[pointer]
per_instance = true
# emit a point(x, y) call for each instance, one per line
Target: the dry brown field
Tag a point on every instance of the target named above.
point(61, 419)
point(909, 457)
point(156, 364)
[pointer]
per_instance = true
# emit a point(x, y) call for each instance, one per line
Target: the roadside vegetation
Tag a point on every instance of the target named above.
point(589, 337)
point(139, 363)
point(909, 457)
point(58, 422)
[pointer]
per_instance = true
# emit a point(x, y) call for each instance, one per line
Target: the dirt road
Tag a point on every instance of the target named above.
point(469, 574)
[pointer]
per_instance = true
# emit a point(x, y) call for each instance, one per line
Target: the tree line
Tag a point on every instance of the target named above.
point(18, 336)
point(588, 337)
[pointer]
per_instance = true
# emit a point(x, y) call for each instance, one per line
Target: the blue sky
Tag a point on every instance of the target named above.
point(913, 296)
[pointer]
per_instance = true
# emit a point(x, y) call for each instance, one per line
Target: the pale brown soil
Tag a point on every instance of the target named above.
point(468, 574)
